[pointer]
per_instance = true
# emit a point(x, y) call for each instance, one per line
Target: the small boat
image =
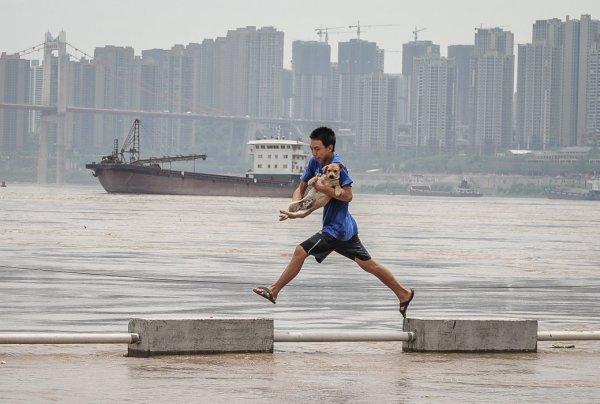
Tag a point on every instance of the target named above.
point(3, 185)
point(277, 166)
point(582, 194)
point(464, 189)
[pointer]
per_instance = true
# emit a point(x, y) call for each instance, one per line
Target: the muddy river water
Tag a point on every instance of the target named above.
point(76, 259)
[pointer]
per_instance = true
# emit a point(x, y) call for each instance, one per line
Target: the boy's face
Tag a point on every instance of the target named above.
point(321, 153)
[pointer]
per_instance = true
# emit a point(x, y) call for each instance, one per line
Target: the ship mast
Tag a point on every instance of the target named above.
point(131, 145)
point(132, 142)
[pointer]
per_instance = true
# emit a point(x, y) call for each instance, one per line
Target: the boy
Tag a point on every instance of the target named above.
point(339, 233)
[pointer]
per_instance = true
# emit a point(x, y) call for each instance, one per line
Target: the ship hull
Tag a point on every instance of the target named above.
point(132, 179)
point(428, 192)
point(555, 193)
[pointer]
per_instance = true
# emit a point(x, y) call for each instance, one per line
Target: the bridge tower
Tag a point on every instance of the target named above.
point(52, 45)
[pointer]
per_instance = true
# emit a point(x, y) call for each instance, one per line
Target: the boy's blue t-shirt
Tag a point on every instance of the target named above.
point(337, 220)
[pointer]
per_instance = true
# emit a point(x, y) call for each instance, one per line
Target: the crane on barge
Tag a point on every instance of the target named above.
point(131, 146)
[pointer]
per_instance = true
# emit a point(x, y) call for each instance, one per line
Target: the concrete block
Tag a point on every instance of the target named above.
point(200, 336)
point(471, 335)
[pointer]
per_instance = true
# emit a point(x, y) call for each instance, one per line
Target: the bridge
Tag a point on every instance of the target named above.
point(56, 113)
point(49, 109)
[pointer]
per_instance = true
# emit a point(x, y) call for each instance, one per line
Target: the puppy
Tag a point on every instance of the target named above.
point(314, 199)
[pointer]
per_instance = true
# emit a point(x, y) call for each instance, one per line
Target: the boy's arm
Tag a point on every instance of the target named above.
point(345, 196)
point(299, 192)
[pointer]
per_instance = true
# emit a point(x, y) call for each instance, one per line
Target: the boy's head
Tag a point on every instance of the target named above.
point(322, 144)
point(325, 135)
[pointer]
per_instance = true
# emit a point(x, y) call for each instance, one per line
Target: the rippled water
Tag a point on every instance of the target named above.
point(79, 259)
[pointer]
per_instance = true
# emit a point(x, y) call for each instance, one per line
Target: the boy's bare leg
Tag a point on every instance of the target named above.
point(386, 277)
point(291, 270)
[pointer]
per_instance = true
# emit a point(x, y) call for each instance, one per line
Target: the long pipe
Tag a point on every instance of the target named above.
point(68, 338)
point(568, 335)
point(409, 336)
point(126, 338)
point(342, 336)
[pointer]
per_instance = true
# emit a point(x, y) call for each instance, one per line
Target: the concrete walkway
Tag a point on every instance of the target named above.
point(299, 373)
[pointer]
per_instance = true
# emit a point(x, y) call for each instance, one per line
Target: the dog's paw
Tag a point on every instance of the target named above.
point(338, 191)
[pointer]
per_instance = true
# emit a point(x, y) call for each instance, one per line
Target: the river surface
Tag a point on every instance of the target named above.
point(76, 259)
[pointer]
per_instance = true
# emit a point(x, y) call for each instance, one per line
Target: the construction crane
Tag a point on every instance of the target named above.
point(358, 27)
point(324, 31)
point(416, 31)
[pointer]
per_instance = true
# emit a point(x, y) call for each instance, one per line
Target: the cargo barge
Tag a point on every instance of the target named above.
point(464, 190)
point(277, 166)
point(582, 194)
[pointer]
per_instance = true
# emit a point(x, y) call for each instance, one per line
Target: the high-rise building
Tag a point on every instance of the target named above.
point(180, 98)
point(204, 72)
point(463, 60)
point(150, 88)
point(81, 93)
point(287, 92)
point(230, 91)
point(593, 93)
point(410, 51)
point(493, 90)
point(335, 93)
point(180, 82)
point(113, 68)
point(589, 31)
point(14, 89)
point(311, 64)
point(539, 88)
point(265, 73)
point(357, 59)
point(150, 80)
point(362, 91)
point(397, 98)
point(36, 77)
point(248, 72)
point(552, 84)
point(373, 118)
point(416, 49)
point(433, 105)
point(570, 79)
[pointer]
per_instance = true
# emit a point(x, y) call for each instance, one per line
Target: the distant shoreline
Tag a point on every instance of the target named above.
point(488, 184)
point(397, 184)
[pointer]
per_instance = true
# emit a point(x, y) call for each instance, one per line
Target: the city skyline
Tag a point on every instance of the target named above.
point(110, 22)
point(241, 75)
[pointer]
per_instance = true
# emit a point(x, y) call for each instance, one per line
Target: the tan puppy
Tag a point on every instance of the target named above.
point(314, 199)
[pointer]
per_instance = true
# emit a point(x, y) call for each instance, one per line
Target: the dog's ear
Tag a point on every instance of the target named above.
point(341, 165)
point(325, 168)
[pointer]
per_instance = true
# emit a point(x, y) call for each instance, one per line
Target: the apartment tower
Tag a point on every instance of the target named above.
point(493, 90)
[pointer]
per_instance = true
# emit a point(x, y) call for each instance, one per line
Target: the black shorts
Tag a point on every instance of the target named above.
point(322, 244)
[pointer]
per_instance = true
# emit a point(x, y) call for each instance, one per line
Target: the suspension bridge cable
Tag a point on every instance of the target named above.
point(29, 50)
point(80, 51)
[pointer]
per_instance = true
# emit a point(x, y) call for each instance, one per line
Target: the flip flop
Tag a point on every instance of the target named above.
point(264, 292)
point(404, 305)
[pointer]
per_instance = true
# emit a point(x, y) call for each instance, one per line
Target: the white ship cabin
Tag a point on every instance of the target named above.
point(277, 157)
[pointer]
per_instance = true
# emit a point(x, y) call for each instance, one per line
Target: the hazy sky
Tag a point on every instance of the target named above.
point(146, 24)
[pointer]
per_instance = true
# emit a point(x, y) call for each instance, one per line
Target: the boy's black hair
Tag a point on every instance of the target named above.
point(325, 135)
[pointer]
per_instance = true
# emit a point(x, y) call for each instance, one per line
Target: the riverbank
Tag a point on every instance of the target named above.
point(397, 184)
point(488, 184)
